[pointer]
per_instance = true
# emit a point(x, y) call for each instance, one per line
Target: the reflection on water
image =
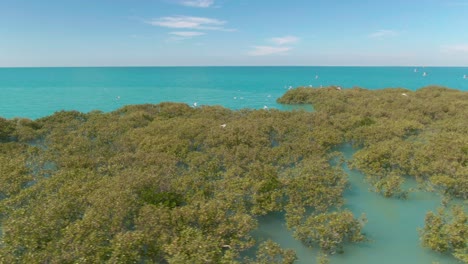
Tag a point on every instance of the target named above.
point(392, 227)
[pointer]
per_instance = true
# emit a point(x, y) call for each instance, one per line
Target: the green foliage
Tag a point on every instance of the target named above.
point(323, 259)
point(26, 130)
point(168, 199)
point(169, 183)
point(330, 231)
point(444, 232)
point(391, 186)
point(315, 184)
point(366, 121)
point(271, 253)
point(401, 134)
point(14, 173)
point(6, 130)
point(157, 183)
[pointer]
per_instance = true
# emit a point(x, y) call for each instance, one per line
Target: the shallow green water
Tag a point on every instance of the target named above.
point(392, 227)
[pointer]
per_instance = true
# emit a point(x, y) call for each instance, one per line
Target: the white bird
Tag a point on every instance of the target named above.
point(424, 73)
point(223, 125)
point(404, 94)
point(265, 107)
point(195, 104)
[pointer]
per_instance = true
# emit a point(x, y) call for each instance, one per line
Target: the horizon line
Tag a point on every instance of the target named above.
point(227, 66)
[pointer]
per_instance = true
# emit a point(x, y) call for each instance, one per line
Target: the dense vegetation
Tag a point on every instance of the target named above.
point(401, 133)
point(447, 232)
point(168, 183)
point(405, 134)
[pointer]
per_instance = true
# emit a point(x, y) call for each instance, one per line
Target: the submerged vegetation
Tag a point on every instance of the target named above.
point(169, 183)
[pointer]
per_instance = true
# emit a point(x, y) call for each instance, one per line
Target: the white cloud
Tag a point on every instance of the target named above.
point(383, 33)
point(459, 48)
point(268, 50)
point(189, 22)
point(198, 3)
point(278, 49)
point(284, 40)
point(187, 34)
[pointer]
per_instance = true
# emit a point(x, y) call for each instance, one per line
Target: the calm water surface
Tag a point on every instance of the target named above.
point(37, 92)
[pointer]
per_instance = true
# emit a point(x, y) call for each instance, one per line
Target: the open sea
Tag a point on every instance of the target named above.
point(37, 92)
point(392, 224)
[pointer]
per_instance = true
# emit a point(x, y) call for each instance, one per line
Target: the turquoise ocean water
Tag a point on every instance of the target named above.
point(37, 92)
point(392, 224)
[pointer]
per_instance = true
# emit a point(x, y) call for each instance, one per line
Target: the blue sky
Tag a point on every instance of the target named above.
point(233, 32)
